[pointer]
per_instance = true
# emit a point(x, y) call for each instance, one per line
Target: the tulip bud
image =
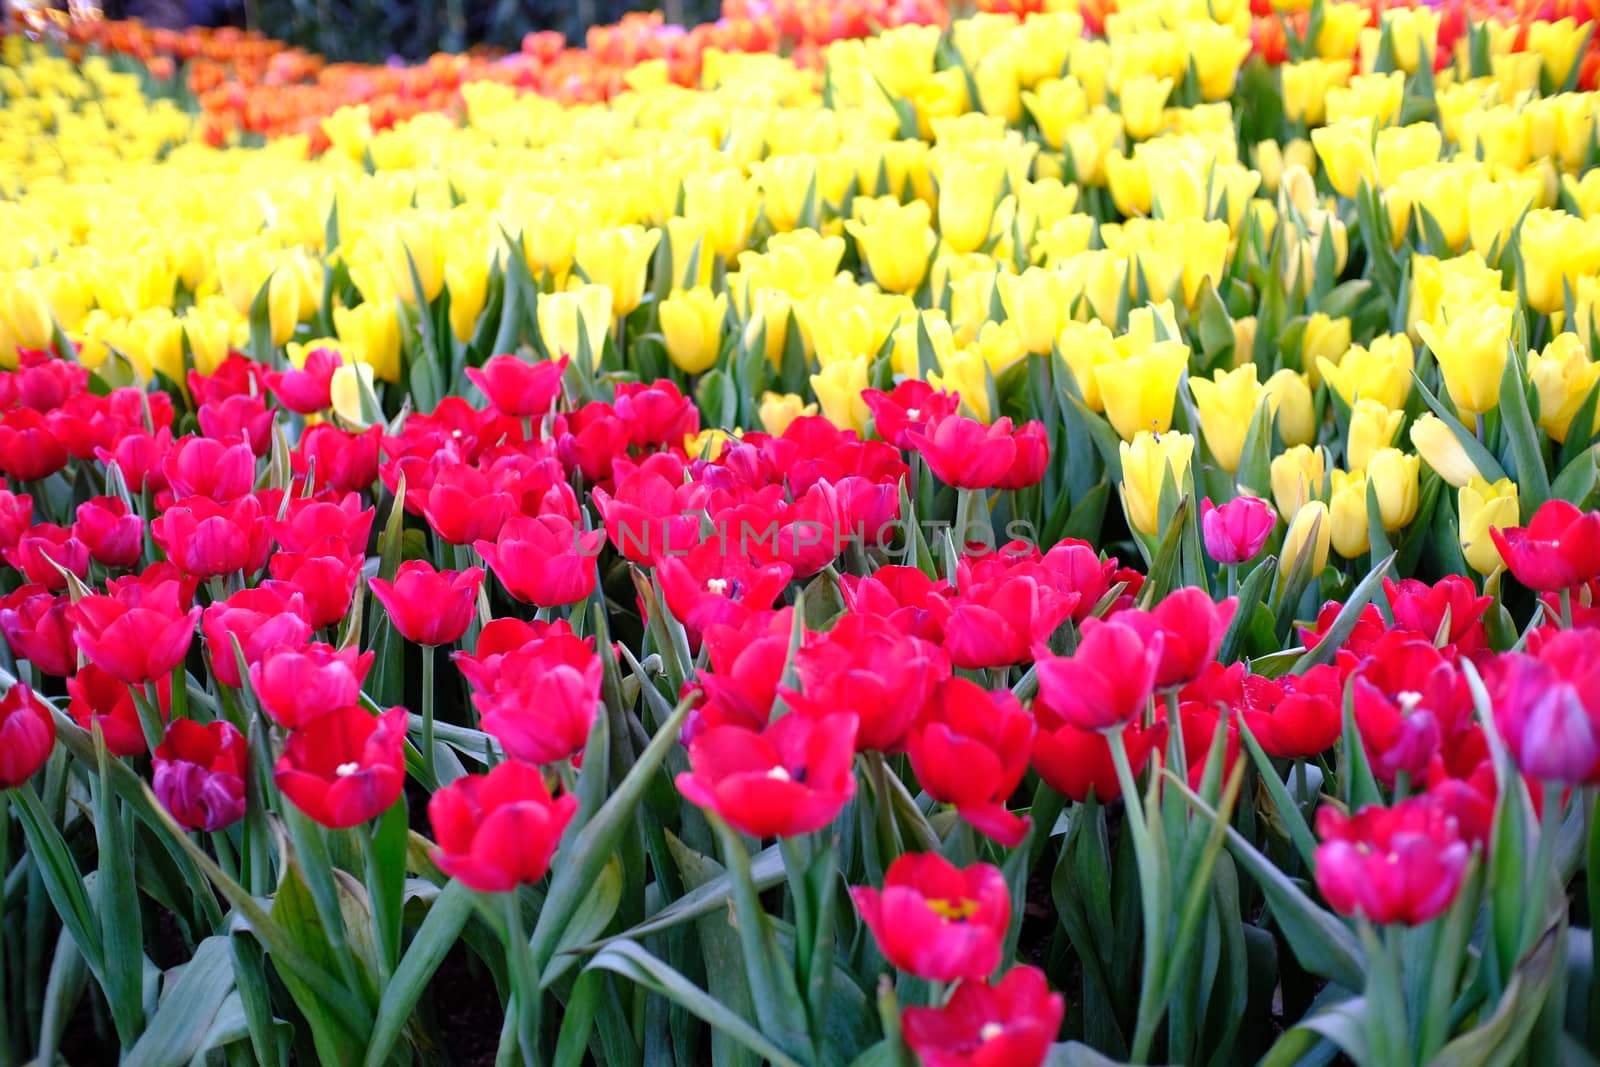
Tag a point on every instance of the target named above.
point(1564, 376)
point(1395, 476)
point(895, 241)
point(1036, 300)
point(1438, 446)
point(370, 332)
point(838, 390)
point(1237, 530)
point(1139, 392)
point(1142, 102)
point(691, 323)
point(1310, 531)
point(26, 311)
point(968, 192)
point(1345, 149)
point(1290, 398)
point(1347, 512)
point(1297, 477)
point(778, 410)
point(1227, 405)
point(1485, 507)
point(468, 282)
point(564, 317)
point(1145, 462)
point(1324, 339)
point(619, 259)
point(1372, 426)
point(27, 735)
point(345, 389)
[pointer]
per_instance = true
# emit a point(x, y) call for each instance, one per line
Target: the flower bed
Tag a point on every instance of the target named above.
point(1046, 540)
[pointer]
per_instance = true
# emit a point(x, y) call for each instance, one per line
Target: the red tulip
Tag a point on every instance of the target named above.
point(938, 921)
point(647, 517)
point(200, 466)
point(1369, 628)
point(594, 437)
point(262, 619)
point(95, 696)
point(1422, 609)
point(794, 777)
point(238, 418)
point(1306, 717)
point(1407, 697)
point(44, 552)
point(481, 666)
point(1107, 682)
point(309, 523)
point(909, 599)
point(1547, 706)
point(235, 375)
point(141, 457)
point(28, 450)
point(911, 405)
point(1074, 761)
point(518, 388)
point(1236, 531)
point(971, 751)
point(140, 631)
point(429, 607)
point(27, 734)
point(16, 515)
point(114, 535)
point(38, 629)
point(298, 684)
point(44, 382)
point(747, 666)
point(208, 540)
point(545, 699)
point(867, 666)
point(1559, 548)
point(498, 830)
point(998, 623)
point(1033, 456)
point(1012, 1023)
point(346, 766)
point(1190, 625)
point(544, 561)
point(714, 585)
point(657, 414)
point(1402, 864)
point(328, 583)
point(964, 452)
point(199, 774)
point(309, 389)
point(344, 462)
point(463, 506)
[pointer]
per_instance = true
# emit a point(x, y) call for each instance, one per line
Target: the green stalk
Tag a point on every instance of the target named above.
point(524, 981)
point(1533, 917)
point(427, 710)
point(1150, 899)
point(1592, 872)
point(150, 715)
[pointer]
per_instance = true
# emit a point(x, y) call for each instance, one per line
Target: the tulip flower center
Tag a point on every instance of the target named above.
point(718, 586)
point(779, 774)
point(1408, 700)
point(990, 1031)
point(954, 910)
point(913, 413)
point(345, 770)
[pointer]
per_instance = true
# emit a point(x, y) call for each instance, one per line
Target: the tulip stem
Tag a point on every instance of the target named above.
point(1566, 608)
point(427, 711)
point(1592, 878)
point(1232, 572)
point(150, 715)
point(180, 694)
point(1151, 902)
point(524, 982)
point(1537, 912)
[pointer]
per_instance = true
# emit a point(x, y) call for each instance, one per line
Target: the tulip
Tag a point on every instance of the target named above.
point(839, 389)
point(645, 518)
point(1188, 627)
point(1145, 465)
point(895, 242)
point(1306, 85)
point(793, 777)
point(1227, 405)
point(413, 251)
point(691, 324)
point(1307, 717)
point(1012, 1023)
point(617, 259)
point(498, 830)
point(28, 450)
point(1107, 682)
point(1141, 101)
point(1439, 447)
point(260, 619)
point(1236, 531)
point(779, 410)
point(1311, 530)
point(245, 418)
point(1559, 548)
point(295, 685)
point(868, 667)
point(725, 203)
point(209, 540)
point(543, 703)
point(429, 607)
point(38, 629)
point(1564, 376)
point(1345, 149)
point(1037, 301)
point(971, 751)
point(468, 282)
point(1545, 720)
point(1471, 347)
point(968, 194)
point(202, 467)
point(935, 920)
point(1402, 864)
point(26, 311)
point(544, 561)
point(519, 389)
point(140, 631)
point(96, 697)
point(584, 312)
point(965, 453)
point(1289, 398)
point(1139, 392)
point(371, 334)
point(1380, 373)
point(306, 389)
point(1297, 477)
point(27, 735)
point(344, 767)
point(1407, 698)
point(711, 586)
point(911, 405)
point(1372, 428)
point(345, 462)
point(1394, 475)
point(1347, 510)
point(1484, 508)
point(199, 774)
point(46, 554)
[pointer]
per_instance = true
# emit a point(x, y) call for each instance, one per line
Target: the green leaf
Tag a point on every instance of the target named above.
point(178, 1030)
point(1251, 594)
point(59, 873)
point(630, 960)
point(1502, 1038)
point(433, 941)
point(1533, 481)
point(1345, 622)
point(1345, 1023)
point(592, 917)
point(117, 897)
point(1481, 457)
point(1288, 811)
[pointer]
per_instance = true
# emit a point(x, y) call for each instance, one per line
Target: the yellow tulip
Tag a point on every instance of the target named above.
point(1439, 447)
point(967, 373)
point(1143, 101)
point(1146, 459)
point(1347, 514)
point(1395, 476)
point(1036, 300)
point(371, 333)
point(548, 229)
point(895, 241)
point(468, 282)
point(1381, 372)
point(1405, 148)
point(1055, 105)
point(1345, 150)
point(1342, 24)
point(1139, 392)
point(1485, 507)
point(1217, 54)
point(243, 269)
point(1244, 339)
point(1564, 375)
point(838, 391)
point(778, 410)
point(283, 303)
point(1289, 395)
point(1372, 426)
point(1324, 340)
point(904, 341)
point(725, 202)
point(350, 381)
point(619, 258)
point(209, 326)
point(785, 183)
point(1471, 346)
point(581, 312)
point(1413, 31)
point(1084, 346)
point(968, 195)
point(1297, 476)
point(417, 241)
point(26, 312)
point(1494, 208)
point(1306, 85)
point(691, 323)
point(1311, 530)
point(1556, 249)
point(1227, 404)
point(1558, 43)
